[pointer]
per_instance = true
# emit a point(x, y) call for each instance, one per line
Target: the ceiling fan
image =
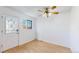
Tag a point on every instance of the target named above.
point(48, 10)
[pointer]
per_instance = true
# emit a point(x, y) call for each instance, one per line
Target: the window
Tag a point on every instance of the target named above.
point(11, 24)
point(29, 24)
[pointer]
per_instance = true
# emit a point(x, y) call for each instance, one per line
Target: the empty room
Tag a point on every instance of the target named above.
point(39, 29)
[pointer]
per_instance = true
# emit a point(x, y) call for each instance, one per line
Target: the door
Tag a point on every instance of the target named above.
point(1, 33)
point(10, 32)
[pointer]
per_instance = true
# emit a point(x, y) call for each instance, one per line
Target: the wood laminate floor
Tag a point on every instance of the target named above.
point(37, 46)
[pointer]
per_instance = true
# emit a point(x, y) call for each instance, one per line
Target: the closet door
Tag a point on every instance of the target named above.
point(1, 34)
point(11, 35)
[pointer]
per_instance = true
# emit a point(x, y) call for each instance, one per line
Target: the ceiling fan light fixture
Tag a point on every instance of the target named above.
point(48, 11)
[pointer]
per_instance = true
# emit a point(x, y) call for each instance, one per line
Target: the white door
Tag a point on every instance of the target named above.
point(1, 33)
point(11, 37)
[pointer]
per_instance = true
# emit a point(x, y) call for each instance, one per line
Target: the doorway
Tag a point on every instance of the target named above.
point(9, 32)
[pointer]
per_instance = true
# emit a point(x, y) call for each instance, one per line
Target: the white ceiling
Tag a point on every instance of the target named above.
point(33, 10)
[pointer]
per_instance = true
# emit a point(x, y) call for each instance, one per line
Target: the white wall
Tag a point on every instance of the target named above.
point(11, 40)
point(55, 29)
point(27, 34)
point(75, 29)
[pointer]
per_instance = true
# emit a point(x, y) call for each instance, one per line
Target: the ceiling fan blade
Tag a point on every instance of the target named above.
point(54, 12)
point(40, 10)
point(53, 7)
point(40, 15)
